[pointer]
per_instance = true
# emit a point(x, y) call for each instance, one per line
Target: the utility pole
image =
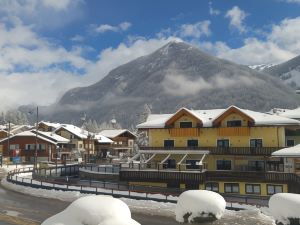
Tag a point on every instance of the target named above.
point(36, 138)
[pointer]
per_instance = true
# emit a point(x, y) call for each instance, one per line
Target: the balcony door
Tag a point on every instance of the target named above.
point(256, 165)
point(223, 143)
point(169, 144)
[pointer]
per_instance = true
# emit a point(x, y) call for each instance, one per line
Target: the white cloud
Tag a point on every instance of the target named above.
point(57, 4)
point(180, 85)
point(280, 44)
point(38, 12)
point(103, 28)
point(292, 1)
point(34, 70)
point(212, 11)
point(287, 35)
point(195, 30)
point(77, 38)
point(236, 17)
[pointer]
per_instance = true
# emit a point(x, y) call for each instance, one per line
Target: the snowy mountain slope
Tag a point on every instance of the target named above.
point(176, 75)
point(288, 71)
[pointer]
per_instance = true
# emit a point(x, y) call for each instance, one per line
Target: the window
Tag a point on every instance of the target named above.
point(212, 186)
point(42, 147)
point(168, 143)
point(234, 123)
point(192, 164)
point(32, 147)
point(256, 143)
point(223, 165)
point(256, 165)
point(273, 189)
point(297, 165)
point(290, 143)
point(224, 143)
point(192, 143)
point(14, 147)
point(253, 189)
point(231, 188)
point(186, 124)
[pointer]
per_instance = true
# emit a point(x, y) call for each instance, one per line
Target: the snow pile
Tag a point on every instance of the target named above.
point(199, 205)
point(94, 210)
point(285, 206)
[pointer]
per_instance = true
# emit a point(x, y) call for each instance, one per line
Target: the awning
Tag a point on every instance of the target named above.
point(291, 152)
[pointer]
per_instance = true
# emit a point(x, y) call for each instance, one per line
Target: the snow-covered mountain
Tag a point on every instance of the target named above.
point(176, 75)
point(288, 71)
point(261, 67)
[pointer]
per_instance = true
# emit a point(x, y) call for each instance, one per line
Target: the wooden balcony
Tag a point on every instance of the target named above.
point(184, 132)
point(233, 131)
point(263, 151)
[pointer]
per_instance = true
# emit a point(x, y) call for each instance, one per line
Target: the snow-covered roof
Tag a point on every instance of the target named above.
point(57, 138)
point(208, 116)
point(102, 139)
point(79, 132)
point(114, 133)
point(50, 124)
point(19, 128)
point(29, 134)
point(293, 114)
point(288, 152)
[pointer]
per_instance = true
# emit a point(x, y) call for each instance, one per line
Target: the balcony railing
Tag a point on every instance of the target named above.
point(206, 176)
point(184, 132)
point(234, 131)
point(265, 151)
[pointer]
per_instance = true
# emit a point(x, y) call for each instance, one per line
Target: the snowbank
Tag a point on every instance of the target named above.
point(94, 210)
point(285, 206)
point(196, 205)
point(138, 206)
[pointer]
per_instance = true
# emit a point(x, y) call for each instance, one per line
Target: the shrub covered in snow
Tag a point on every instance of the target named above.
point(199, 205)
point(285, 208)
point(94, 210)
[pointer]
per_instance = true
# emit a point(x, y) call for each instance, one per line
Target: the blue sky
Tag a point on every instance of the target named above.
point(50, 46)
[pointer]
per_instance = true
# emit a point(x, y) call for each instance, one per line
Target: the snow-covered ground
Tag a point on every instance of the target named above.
point(92, 210)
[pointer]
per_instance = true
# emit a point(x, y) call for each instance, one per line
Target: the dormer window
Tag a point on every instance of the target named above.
point(186, 124)
point(234, 123)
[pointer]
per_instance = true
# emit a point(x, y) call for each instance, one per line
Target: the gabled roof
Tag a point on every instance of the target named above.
point(20, 128)
point(230, 110)
point(182, 112)
point(50, 124)
point(77, 131)
point(208, 116)
point(102, 139)
point(4, 131)
point(53, 136)
point(288, 152)
point(115, 133)
point(29, 134)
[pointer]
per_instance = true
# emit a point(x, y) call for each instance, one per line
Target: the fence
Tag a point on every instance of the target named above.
point(118, 190)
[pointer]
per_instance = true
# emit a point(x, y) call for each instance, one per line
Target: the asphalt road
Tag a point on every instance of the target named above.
point(20, 209)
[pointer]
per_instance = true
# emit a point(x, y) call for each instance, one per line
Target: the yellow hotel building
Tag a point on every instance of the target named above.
point(224, 150)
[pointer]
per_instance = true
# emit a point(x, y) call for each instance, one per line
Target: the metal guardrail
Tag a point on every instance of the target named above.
point(112, 189)
point(117, 190)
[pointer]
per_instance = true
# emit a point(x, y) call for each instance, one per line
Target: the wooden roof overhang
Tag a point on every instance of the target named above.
point(180, 113)
point(229, 111)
